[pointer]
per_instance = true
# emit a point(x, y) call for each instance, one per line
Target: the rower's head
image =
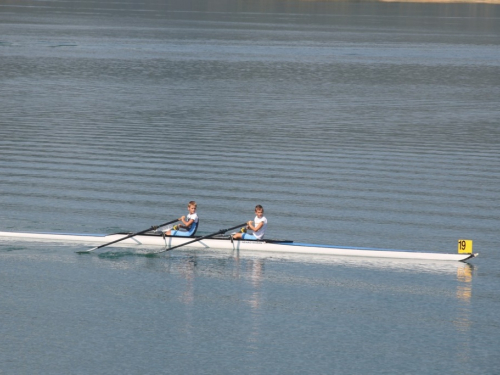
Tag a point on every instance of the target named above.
point(259, 211)
point(192, 207)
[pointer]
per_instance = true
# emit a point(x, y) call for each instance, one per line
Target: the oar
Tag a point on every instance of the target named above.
point(130, 235)
point(202, 238)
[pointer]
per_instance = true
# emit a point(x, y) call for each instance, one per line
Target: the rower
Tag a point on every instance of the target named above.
point(189, 223)
point(258, 226)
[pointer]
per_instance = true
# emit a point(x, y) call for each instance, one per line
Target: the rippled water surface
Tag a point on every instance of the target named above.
point(355, 124)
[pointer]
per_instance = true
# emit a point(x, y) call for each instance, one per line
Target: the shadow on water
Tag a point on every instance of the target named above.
point(126, 253)
point(12, 248)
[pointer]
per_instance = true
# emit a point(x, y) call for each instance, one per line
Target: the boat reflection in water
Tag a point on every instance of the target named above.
point(463, 321)
point(464, 277)
point(393, 264)
point(224, 257)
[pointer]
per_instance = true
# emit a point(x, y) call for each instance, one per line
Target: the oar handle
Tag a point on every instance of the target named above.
point(154, 227)
point(203, 237)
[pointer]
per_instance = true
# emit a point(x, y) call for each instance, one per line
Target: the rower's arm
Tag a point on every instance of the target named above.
point(255, 228)
point(186, 224)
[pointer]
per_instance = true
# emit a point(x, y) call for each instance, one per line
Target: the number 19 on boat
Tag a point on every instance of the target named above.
point(465, 246)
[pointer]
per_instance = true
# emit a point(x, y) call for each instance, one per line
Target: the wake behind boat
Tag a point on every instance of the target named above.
point(156, 241)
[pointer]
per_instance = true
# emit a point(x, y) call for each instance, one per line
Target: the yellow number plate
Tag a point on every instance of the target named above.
point(465, 246)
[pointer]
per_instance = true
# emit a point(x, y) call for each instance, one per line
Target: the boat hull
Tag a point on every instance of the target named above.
point(155, 240)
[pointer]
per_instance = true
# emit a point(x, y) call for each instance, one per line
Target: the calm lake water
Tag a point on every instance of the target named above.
point(355, 124)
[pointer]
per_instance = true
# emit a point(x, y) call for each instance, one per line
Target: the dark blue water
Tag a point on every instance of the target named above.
point(355, 124)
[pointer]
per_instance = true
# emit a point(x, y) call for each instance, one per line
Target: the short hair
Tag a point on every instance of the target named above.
point(259, 207)
point(192, 203)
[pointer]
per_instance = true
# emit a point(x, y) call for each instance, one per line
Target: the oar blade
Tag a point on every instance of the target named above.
point(87, 251)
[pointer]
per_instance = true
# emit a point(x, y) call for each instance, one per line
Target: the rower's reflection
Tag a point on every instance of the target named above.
point(188, 273)
point(187, 270)
point(256, 274)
